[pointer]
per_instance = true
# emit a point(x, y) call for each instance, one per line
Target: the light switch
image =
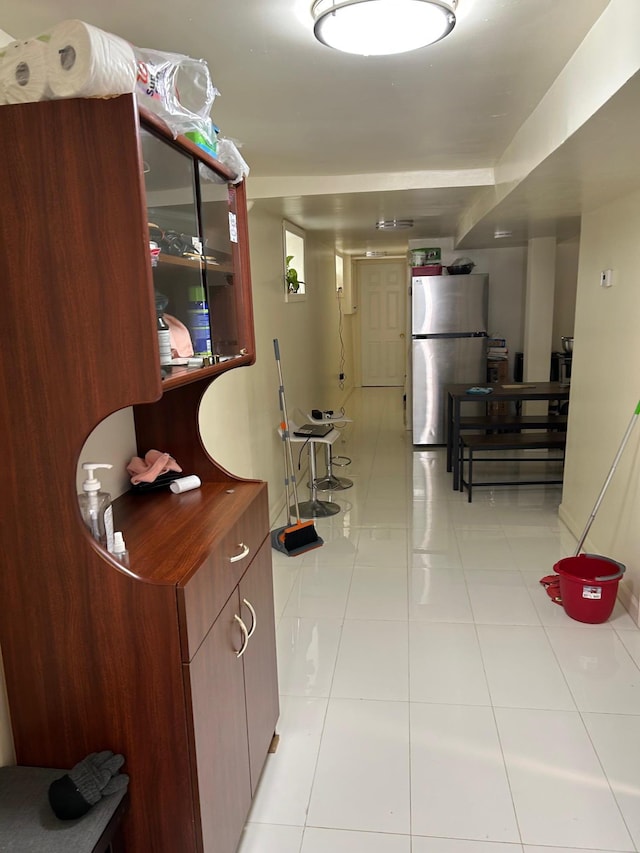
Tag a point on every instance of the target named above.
point(606, 278)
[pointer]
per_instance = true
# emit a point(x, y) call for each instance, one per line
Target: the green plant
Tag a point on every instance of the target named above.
point(293, 283)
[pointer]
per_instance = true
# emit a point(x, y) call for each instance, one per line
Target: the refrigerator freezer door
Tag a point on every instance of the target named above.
point(438, 362)
point(449, 303)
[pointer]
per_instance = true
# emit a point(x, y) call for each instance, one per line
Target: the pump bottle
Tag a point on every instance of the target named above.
point(95, 506)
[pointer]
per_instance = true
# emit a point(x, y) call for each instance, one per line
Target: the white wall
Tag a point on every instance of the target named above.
point(605, 388)
point(565, 294)
point(240, 412)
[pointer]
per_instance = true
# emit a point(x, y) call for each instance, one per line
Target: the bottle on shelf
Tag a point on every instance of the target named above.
point(199, 321)
point(120, 549)
point(95, 506)
point(164, 339)
point(164, 335)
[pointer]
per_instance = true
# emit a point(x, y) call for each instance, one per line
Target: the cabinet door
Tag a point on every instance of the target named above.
point(223, 291)
point(260, 672)
point(194, 233)
point(214, 679)
point(176, 244)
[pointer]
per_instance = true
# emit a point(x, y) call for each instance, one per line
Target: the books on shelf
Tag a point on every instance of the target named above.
point(497, 352)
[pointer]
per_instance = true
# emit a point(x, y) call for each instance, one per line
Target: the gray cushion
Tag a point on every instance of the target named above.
point(27, 823)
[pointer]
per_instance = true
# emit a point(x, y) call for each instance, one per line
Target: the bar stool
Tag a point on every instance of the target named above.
point(330, 482)
point(313, 508)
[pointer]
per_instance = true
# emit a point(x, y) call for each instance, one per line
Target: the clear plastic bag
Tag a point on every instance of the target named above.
point(230, 156)
point(179, 90)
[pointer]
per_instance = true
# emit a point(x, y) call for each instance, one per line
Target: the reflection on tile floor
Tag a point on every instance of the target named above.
point(433, 698)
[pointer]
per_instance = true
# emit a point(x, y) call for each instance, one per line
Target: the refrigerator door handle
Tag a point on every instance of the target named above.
point(449, 335)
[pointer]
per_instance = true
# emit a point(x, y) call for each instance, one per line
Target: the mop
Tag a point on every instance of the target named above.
point(298, 538)
point(552, 582)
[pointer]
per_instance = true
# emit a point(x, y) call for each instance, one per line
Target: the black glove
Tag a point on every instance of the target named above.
point(94, 777)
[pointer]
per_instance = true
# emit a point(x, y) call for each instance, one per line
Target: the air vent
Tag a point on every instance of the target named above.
point(393, 224)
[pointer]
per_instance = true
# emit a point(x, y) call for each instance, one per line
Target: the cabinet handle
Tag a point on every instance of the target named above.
point(254, 623)
point(245, 635)
point(241, 555)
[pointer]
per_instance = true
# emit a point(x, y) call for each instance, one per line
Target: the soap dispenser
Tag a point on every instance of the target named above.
point(95, 506)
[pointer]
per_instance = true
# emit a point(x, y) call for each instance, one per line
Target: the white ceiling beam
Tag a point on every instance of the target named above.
point(292, 186)
point(608, 57)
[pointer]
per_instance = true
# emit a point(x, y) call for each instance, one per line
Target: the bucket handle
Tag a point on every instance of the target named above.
point(621, 569)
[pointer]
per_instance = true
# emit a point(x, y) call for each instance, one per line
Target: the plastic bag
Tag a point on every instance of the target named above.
point(179, 90)
point(230, 156)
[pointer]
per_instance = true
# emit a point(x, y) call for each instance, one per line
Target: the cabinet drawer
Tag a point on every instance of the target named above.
point(205, 594)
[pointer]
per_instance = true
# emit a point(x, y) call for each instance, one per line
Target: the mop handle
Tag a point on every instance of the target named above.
point(285, 434)
point(596, 507)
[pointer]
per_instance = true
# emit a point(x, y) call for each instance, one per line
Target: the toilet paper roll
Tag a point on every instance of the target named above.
point(24, 72)
point(84, 62)
point(185, 484)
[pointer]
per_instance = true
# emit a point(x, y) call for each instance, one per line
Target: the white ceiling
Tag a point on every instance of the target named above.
point(426, 128)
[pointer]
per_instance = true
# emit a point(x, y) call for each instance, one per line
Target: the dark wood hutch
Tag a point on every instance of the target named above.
point(142, 661)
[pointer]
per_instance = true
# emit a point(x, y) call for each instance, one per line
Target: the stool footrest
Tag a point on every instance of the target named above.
point(341, 461)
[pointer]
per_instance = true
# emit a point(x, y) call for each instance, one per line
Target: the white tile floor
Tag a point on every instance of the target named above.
point(434, 699)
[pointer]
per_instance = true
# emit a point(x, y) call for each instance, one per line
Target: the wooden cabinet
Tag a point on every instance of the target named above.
point(142, 660)
point(230, 747)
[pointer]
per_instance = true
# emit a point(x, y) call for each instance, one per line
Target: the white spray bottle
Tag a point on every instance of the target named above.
point(95, 506)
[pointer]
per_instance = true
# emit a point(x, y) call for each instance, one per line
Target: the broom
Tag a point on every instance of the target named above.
point(298, 538)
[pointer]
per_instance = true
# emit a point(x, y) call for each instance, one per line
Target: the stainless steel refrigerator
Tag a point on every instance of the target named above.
point(449, 345)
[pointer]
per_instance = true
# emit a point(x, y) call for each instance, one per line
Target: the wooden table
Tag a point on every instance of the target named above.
point(517, 392)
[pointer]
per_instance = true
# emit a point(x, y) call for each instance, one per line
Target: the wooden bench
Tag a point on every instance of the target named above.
point(508, 441)
point(513, 423)
point(28, 824)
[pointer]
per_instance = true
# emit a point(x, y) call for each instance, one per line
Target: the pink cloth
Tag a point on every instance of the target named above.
point(181, 346)
point(148, 469)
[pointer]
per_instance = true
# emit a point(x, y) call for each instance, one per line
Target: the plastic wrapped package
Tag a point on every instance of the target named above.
point(230, 156)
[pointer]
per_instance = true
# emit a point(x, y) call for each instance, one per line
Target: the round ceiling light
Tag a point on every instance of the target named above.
point(382, 27)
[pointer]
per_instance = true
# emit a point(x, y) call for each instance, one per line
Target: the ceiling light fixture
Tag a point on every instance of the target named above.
point(393, 224)
point(500, 235)
point(382, 27)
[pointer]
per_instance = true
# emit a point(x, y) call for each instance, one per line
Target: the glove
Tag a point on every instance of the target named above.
point(94, 777)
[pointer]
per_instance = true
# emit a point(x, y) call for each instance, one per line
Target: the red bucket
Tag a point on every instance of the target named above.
point(589, 586)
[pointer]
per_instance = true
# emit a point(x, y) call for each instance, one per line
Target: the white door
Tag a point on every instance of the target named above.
point(382, 287)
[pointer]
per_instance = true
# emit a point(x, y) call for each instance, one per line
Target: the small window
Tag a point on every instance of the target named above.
point(294, 271)
point(339, 275)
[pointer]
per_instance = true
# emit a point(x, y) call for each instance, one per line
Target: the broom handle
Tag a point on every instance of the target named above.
point(287, 438)
point(596, 507)
point(286, 475)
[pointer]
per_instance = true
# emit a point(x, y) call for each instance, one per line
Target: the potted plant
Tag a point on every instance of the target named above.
point(293, 283)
